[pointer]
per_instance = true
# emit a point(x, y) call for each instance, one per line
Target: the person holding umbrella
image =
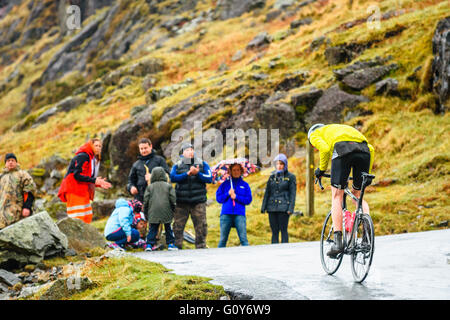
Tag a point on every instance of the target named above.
point(279, 198)
point(234, 194)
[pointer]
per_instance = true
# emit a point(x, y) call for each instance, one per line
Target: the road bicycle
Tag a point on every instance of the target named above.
point(359, 242)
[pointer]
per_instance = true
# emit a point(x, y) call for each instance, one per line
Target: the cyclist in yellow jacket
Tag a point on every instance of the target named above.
point(347, 148)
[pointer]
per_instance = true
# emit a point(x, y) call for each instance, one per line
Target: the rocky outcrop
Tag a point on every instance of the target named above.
point(65, 105)
point(103, 208)
point(120, 148)
point(363, 78)
point(47, 174)
point(387, 87)
point(361, 74)
point(65, 287)
point(87, 8)
point(227, 9)
point(261, 41)
point(329, 108)
point(81, 236)
point(441, 64)
point(31, 240)
point(75, 53)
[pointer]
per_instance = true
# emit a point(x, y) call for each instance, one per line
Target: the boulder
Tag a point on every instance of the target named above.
point(387, 87)
point(278, 115)
point(144, 67)
point(8, 278)
point(308, 99)
point(120, 148)
point(331, 104)
point(227, 9)
point(341, 73)
point(103, 208)
point(64, 105)
point(283, 4)
point(363, 78)
point(262, 40)
point(301, 22)
point(338, 55)
point(31, 240)
point(318, 42)
point(65, 287)
point(441, 64)
point(81, 236)
point(292, 80)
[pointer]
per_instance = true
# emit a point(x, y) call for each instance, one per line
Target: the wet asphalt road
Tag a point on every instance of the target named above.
point(406, 266)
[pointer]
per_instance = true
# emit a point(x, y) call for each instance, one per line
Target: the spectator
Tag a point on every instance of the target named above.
point(279, 199)
point(139, 176)
point(16, 192)
point(233, 202)
point(78, 186)
point(191, 175)
point(159, 204)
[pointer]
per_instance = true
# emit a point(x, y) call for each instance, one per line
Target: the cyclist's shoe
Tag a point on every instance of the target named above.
point(172, 247)
point(337, 247)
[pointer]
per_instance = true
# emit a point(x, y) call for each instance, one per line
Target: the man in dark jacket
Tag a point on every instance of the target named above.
point(139, 176)
point(279, 198)
point(191, 175)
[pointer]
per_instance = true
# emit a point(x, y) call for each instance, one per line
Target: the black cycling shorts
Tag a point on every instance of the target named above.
point(340, 169)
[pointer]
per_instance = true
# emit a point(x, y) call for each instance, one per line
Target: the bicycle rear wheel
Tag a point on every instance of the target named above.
point(363, 248)
point(330, 265)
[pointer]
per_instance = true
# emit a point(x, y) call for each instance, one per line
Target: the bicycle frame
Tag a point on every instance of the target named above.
point(349, 247)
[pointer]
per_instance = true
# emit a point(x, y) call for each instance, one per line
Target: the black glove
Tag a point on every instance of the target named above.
point(318, 173)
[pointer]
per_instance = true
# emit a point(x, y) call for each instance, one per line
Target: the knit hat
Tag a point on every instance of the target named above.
point(10, 156)
point(138, 217)
point(185, 146)
point(136, 205)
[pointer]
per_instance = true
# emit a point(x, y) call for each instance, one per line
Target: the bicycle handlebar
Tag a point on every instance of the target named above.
point(319, 180)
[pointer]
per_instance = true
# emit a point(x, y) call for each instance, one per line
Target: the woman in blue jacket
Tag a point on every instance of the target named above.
point(118, 227)
point(233, 202)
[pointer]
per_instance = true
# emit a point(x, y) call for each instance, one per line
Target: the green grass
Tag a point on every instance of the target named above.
point(133, 278)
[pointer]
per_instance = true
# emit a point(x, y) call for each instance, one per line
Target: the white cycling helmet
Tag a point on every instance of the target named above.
point(314, 127)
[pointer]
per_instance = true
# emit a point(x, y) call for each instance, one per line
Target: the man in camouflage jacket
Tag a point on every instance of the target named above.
point(16, 192)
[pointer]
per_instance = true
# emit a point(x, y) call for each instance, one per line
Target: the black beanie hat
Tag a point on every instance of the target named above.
point(10, 156)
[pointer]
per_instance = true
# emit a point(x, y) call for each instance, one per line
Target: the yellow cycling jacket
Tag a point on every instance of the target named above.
point(324, 139)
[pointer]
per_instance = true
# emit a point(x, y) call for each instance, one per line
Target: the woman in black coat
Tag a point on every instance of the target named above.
point(279, 199)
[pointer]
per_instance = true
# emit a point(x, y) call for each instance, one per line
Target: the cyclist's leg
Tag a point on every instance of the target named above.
point(360, 163)
point(340, 170)
point(336, 208)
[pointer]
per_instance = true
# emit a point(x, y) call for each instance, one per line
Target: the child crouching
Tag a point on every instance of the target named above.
point(119, 225)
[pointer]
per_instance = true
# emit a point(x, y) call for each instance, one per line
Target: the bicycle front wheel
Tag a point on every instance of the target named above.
point(330, 265)
point(363, 248)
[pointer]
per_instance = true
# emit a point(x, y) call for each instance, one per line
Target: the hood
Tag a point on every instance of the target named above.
point(281, 157)
point(86, 148)
point(122, 203)
point(158, 174)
